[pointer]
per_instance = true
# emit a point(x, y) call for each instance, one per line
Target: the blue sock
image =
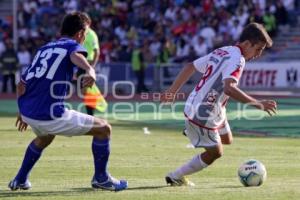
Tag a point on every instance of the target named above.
point(32, 155)
point(101, 151)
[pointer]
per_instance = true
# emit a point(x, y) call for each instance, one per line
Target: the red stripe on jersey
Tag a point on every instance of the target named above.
point(225, 102)
point(202, 126)
point(236, 73)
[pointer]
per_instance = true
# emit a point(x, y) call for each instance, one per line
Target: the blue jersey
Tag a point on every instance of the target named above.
point(48, 79)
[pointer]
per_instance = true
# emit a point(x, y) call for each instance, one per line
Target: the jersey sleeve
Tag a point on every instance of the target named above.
point(200, 63)
point(233, 69)
point(78, 48)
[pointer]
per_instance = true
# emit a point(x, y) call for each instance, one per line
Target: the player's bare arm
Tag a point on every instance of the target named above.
point(231, 89)
point(21, 88)
point(96, 58)
point(79, 60)
point(169, 95)
point(22, 126)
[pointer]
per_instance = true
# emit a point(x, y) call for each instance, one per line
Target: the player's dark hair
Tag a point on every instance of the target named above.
point(73, 23)
point(255, 33)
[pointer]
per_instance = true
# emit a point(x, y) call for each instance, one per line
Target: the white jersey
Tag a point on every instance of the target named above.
point(205, 106)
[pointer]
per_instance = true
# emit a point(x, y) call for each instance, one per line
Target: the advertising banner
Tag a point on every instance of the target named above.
point(279, 75)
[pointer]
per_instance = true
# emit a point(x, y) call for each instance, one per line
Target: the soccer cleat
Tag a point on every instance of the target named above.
point(178, 182)
point(111, 184)
point(15, 185)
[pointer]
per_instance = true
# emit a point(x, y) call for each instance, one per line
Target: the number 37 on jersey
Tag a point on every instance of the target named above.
point(40, 64)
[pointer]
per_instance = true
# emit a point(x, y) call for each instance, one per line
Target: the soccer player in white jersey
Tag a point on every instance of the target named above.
point(206, 124)
point(41, 93)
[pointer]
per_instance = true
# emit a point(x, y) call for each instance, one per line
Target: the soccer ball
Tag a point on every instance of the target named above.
point(252, 173)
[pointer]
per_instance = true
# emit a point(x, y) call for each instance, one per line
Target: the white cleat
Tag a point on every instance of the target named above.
point(111, 184)
point(15, 185)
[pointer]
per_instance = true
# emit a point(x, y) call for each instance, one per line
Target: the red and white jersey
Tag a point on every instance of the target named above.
point(205, 106)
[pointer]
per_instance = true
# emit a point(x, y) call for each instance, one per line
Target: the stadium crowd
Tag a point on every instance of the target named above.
point(162, 30)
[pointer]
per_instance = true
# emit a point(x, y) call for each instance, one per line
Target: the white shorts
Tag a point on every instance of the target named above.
point(72, 123)
point(201, 137)
point(226, 129)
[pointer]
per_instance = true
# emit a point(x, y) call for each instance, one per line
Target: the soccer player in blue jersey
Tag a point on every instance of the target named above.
point(41, 94)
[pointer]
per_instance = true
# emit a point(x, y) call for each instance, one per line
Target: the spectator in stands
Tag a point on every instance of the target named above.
point(155, 47)
point(254, 17)
point(269, 22)
point(236, 30)
point(24, 58)
point(290, 8)
point(147, 55)
point(138, 66)
point(118, 22)
point(70, 6)
point(171, 12)
point(183, 50)
point(208, 33)
point(164, 52)
point(200, 47)
point(161, 60)
point(9, 66)
point(2, 47)
point(281, 15)
point(124, 53)
point(242, 15)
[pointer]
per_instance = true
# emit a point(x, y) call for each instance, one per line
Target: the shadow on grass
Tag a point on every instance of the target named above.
point(148, 187)
point(229, 186)
point(71, 192)
point(130, 188)
point(30, 193)
point(9, 194)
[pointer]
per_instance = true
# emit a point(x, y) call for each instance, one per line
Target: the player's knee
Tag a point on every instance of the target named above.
point(43, 142)
point(106, 130)
point(216, 154)
point(102, 127)
point(228, 141)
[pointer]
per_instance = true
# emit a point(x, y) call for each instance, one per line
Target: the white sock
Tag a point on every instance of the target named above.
point(193, 166)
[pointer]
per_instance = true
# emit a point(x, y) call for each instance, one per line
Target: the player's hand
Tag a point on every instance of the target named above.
point(167, 97)
point(74, 78)
point(21, 88)
point(88, 81)
point(22, 126)
point(89, 78)
point(269, 106)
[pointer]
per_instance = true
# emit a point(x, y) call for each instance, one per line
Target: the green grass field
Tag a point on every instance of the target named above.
point(65, 170)
point(66, 167)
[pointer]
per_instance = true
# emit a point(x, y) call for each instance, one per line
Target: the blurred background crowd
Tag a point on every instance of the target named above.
point(164, 31)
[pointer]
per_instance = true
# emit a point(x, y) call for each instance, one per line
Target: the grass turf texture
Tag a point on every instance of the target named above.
point(65, 169)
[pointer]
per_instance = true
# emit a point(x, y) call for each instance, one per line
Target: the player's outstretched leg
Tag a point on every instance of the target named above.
point(198, 162)
point(101, 151)
point(174, 181)
point(32, 155)
point(178, 177)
